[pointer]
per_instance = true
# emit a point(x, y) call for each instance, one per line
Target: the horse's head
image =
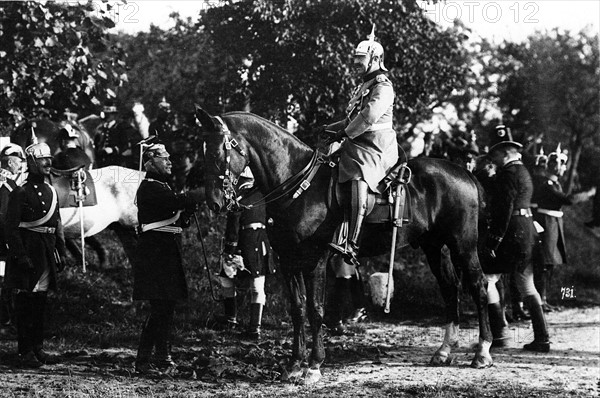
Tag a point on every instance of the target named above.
point(224, 161)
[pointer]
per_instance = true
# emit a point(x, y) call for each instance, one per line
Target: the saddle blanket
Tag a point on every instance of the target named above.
point(67, 196)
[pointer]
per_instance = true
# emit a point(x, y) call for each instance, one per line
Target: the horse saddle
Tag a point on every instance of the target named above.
point(383, 210)
point(66, 183)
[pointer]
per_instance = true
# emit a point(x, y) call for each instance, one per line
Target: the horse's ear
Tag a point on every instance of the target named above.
point(205, 119)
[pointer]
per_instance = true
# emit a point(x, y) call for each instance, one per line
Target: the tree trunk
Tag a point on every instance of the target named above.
point(573, 169)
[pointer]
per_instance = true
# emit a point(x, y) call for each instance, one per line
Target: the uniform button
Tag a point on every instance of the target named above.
point(35, 186)
point(43, 211)
point(39, 194)
point(43, 202)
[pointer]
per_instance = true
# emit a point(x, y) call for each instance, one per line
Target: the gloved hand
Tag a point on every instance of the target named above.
point(231, 264)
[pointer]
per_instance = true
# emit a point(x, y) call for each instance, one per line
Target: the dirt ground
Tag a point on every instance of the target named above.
point(380, 360)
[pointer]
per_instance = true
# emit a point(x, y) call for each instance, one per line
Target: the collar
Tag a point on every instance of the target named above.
point(512, 163)
point(372, 75)
point(156, 177)
point(36, 178)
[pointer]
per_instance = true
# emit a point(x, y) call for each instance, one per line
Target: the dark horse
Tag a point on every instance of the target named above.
point(445, 202)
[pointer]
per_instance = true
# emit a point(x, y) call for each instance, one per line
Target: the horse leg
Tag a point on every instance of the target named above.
point(449, 288)
point(98, 248)
point(315, 289)
point(297, 293)
point(73, 247)
point(128, 239)
point(468, 261)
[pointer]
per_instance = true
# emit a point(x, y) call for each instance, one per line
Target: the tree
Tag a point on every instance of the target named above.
point(299, 53)
point(551, 90)
point(55, 56)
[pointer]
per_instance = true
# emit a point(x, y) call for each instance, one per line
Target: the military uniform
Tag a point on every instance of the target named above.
point(7, 185)
point(158, 270)
point(34, 234)
point(371, 148)
point(511, 219)
point(71, 158)
point(550, 198)
point(121, 138)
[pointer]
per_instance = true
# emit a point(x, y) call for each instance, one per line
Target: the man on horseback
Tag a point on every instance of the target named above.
point(370, 147)
point(163, 126)
point(71, 156)
point(115, 140)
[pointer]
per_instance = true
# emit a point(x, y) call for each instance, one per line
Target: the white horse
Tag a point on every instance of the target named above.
point(116, 188)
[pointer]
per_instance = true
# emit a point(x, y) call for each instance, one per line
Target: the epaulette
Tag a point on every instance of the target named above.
point(382, 78)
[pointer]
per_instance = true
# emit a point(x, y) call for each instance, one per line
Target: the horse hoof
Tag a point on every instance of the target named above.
point(312, 376)
point(482, 362)
point(441, 358)
point(293, 375)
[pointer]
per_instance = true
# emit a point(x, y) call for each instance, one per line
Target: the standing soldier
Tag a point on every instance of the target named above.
point(115, 140)
point(158, 270)
point(550, 198)
point(11, 162)
point(248, 257)
point(510, 239)
point(163, 125)
point(36, 250)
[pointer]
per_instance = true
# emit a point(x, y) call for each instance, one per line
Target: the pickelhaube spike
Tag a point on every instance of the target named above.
point(34, 139)
point(372, 35)
point(541, 159)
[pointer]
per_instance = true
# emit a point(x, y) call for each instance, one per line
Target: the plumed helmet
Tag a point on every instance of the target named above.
point(164, 105)
point(371, 48)
point(541, 159)
point(502, 137)
point(38, 150)
point(12, 150)
point(156, 150)
point(67, 132)
point(558, 156)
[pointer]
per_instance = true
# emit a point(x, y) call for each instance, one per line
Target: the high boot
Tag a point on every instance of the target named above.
point(541, 338)
point(256, 311)
point(359, 207)
point(543, 282)
point(498, 325)
point(230, 307)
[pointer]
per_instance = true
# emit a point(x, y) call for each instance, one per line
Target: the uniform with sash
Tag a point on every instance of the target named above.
point(511, 219)
point(246, 235)
point(550, 198)
point(158, 270)
point(371, 148)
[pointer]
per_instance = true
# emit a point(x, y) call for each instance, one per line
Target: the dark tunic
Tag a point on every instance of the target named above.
point(512, 191)
point(158, 270)
point(71, 158)
point(246, 235)
point(118, 136)
point(550, 196)
point(28, 203)
point(7, 185)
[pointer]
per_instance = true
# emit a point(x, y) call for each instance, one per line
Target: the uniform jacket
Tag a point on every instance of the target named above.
point(158, 270)
point(7, 185)
point(251, 243)
point(550, 196)
point(71, 158)
point(31, 202)
point(120, 137)
point(371, 148)
point(511, 191)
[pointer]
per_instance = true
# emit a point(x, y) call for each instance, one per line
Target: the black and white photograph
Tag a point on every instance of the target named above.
point(299, 198)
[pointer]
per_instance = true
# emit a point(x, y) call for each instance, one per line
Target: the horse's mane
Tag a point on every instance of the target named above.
point(255, 121)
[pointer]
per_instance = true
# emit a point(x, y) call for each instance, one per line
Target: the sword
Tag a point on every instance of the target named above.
point(398, 215)
point(80, 197)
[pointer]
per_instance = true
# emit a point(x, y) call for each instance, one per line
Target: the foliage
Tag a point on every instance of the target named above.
point(550, 90)
point(299, 53)
point(50, 59)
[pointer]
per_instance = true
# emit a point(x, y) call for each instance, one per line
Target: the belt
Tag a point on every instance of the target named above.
point(551, 213)
point(380, 126)
point(254, 226)
point(167, 228)
point(42, 230)
point(522, 212)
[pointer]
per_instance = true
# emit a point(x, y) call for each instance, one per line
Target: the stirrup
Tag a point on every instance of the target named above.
point(349, 256)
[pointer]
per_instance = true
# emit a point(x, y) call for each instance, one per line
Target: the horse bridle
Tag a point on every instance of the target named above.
point(229, 181)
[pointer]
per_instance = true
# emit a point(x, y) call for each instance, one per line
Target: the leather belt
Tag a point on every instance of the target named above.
point(42, 230)
point(551, 213)
point(254, 226)
point(522, 212)
point(166, 228)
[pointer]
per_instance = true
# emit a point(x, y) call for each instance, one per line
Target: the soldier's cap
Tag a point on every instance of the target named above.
point(39, 151)
point(12, 150)
point(502, 137)
point(68, 132)
point(246, 179)
point(156, 150)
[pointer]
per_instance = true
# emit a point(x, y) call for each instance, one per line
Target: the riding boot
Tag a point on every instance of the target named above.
point(253, 331)
point(498, 325)
point(541, 342)
point(230, 308)
point(358, 211)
